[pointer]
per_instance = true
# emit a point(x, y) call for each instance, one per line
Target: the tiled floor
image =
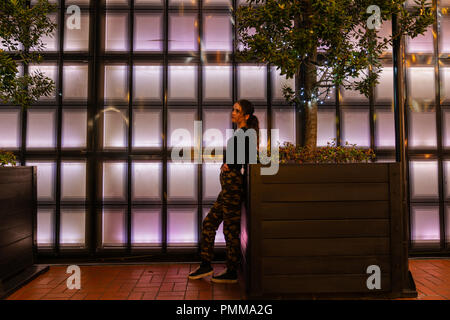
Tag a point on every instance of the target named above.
point(169, 281)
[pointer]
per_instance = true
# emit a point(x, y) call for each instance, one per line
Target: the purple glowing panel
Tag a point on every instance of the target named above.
point(444, 34)
point(220, 239)
point(355, 127)
point(181, 128)
point(45, 227)
point(182, 226)
point(146, 227)
point(384, 91)
point(216, 32)
point(422, 130)
point(384, 129)
point(445, 84)
point(113, 228)
point(77, 39)
point(73, 181)
point(215, 123)
point(446, 128)
point(182, 82)
point(73, 228)
point(114, 179)
point(352, 96)
point(183, 32)
point(50, 41)
point(49, 70)
point(147, 128)
point(386, 32)
point(326, 126)
point(116, 32)
point(261, 114)
point(147, 82)
point(45, 179)
point(422, 43)
point(115, 129)
point(217, 82)
point(278, 82)
point(74, 129)
point(252, 82)
point(75, 79)
point(116, 82)
point(447, 178)
point(146, 181)
point(284, 121)
point(424, 179)
point(211, 181)
point(148, 32)
point(181, 181)
point(41, 129)
point(9, 128)
point(425, 225)
point(421, 88)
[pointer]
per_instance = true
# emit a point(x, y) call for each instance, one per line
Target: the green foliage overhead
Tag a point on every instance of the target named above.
point(21, 30)
point(332, 37)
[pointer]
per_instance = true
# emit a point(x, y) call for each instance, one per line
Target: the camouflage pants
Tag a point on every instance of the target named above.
point(227, 208)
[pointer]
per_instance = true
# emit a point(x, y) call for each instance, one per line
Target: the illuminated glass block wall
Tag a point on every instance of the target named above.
point(428, 106)
point(137, 71)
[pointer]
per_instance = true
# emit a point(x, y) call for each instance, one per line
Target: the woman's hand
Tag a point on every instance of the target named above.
point(224, 167)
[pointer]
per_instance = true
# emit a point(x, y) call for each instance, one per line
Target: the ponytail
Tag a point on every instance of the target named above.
point(252, 121)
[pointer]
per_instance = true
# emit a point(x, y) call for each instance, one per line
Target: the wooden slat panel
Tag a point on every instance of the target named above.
point(325, 192)
point(322, 283)
point(399, 249)
point(16, 191)
point(15, 257)
point(16, 217)
point(325, 228)
point(12, 175)
point(323, 247)
point(329, 173)
point(323, 265)
point(325, 210)
point(15, 233)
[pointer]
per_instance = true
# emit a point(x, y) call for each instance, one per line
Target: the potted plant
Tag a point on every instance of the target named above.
point(329, 222)
point(21, 29)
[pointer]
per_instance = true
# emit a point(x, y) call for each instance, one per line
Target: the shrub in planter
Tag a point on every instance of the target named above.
point(289, 153)
point(7, 158)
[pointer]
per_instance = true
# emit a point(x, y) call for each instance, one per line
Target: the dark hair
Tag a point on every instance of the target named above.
point(252, 121)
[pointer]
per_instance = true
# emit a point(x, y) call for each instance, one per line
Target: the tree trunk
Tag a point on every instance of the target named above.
point(306, 78)
point(310, 105)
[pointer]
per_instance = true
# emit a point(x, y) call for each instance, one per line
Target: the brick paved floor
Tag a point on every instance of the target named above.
point(169, 282)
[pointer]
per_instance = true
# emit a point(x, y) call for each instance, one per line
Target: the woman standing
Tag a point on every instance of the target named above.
point(227, 207)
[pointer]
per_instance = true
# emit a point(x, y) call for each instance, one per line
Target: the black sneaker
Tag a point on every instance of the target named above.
point(201, 272)
point(226, 277)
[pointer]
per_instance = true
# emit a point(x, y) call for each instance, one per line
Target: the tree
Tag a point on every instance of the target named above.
point(324, 43)
point(21, 29)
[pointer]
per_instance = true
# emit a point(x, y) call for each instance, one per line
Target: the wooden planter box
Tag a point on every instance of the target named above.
point(312, 230)
point(18, 220)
